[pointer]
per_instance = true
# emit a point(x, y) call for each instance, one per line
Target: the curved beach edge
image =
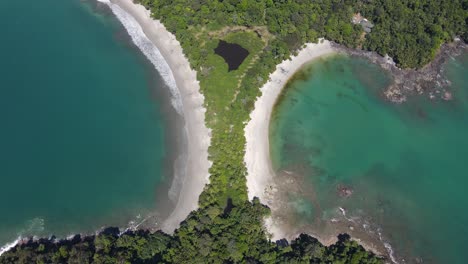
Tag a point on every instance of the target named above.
point(195, 175)
point(260, 173)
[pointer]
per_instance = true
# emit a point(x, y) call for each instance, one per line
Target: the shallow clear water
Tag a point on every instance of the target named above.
point(405, 164)
point(82, 138)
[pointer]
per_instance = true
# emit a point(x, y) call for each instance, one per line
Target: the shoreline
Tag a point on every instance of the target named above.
point(261, 177)
point(262, 180)
point(188, 183)
point(428, 81)
point(260, 173)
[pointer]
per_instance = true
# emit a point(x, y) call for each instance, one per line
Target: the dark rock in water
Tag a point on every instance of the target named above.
point(344, 191)
point(233, 54)
point(428, 80)
point(421, 113)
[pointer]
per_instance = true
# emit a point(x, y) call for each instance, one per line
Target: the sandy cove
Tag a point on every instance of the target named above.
point(257, 154)
point(198, 135)
point(260, 174)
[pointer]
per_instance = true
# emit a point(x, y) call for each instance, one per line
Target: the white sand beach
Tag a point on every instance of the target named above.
point(261, 176)
point(257, 155)
point(196, 173)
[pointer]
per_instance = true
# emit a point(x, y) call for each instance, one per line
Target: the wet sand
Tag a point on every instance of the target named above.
point(189, 180)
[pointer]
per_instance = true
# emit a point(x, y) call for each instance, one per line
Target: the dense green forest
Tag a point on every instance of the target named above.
point(227, 228)
point(145, 247)
point(410, 31)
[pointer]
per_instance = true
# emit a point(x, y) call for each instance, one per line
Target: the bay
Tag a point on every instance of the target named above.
point(398, 172)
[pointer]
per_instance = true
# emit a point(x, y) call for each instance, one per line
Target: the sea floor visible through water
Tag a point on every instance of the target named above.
point(393, 175)
point(89, 134)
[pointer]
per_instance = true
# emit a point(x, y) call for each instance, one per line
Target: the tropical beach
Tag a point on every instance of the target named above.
point(173, 159)
point(257, 151)
point(323, 187)
point(188, 182)
point(102, 123)
point(262, 180)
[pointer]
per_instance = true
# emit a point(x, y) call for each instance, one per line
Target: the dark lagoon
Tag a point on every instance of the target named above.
point(233, 54)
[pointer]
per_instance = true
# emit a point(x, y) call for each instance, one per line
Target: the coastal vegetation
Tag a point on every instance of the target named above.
point(145, 247)
point(411, 31)
point(228, 227)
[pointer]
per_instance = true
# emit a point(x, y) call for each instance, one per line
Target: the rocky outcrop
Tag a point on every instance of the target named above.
point(429, 80)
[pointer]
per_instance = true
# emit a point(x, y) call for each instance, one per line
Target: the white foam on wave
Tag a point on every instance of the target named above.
point(390, 252)
point(370, 229)
point(151, 52)
point(9, 246)
point(387, 246)
point(33, 226)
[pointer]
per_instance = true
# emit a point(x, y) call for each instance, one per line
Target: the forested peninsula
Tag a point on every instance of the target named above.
point(228, 227)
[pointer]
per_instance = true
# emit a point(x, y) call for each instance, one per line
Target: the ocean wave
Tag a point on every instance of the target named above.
point(9, 246)
point(32, 227)
point(388, 247)
point(151, 52)
point(390, 252)
point(369, 228)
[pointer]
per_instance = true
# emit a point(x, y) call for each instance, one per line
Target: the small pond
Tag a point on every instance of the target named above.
point(233, 54)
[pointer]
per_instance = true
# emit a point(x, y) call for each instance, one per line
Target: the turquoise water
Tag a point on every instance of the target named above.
point(83, 133)
point(405, 164)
